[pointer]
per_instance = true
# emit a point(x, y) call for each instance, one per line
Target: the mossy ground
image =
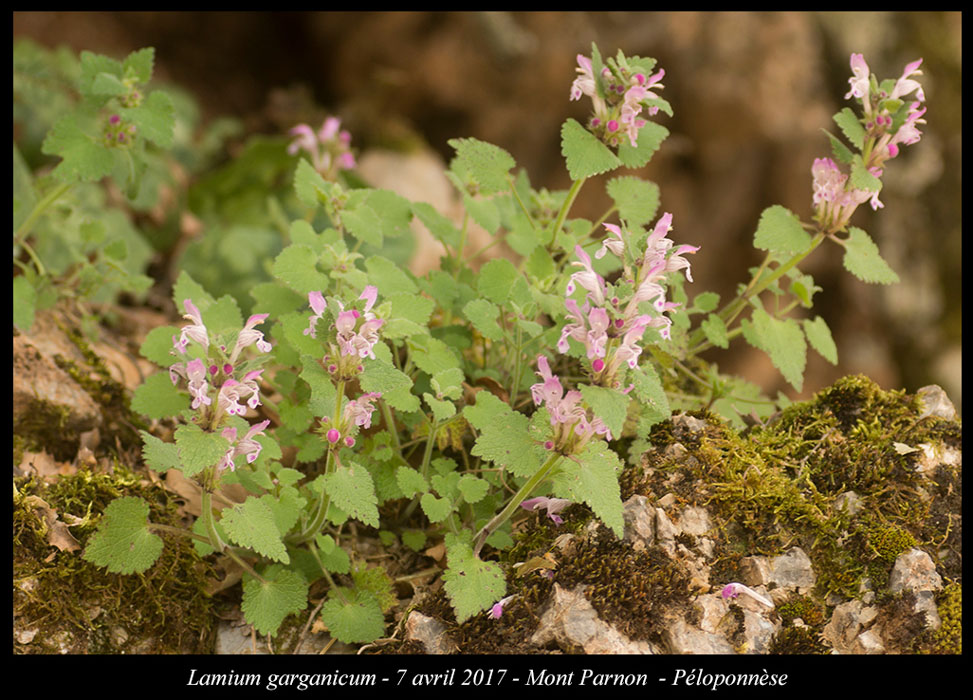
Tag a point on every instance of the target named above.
point(77, 607)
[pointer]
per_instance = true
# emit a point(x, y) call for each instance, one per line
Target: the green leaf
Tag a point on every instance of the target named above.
point(25, 301)
point(594, 481)
point(487, 409)
point(584, 153)
point(296, 266)
point(155, 119)
point(273, 299)
point(199, 449)
point(840, 151)
point(860, 177)
point(267, 603)
point(310, 187)
point(506, 441)
point(472, 585)
point(819, 335)
point(496, 279)
point(333, 557)
point(83, 158)
point(649, 140)
point(222, 316)
point(483, 315)
point(851, 127)
point(252, 524)
point(432, 355)
point(157, 398)
point(410, 481)
point(123, 543)
point(473, 489)
point(436, 509)
point(863, 260)
point(352, 490)
point(540, 264)
point(780, 230)
point(715, 330)
point(188, 288)
point(637, 200)
point(372, 215)
point(158, 455)
point(138, 65)
point(93, 65)
point(486, 164)
point(609, 405)
point(354, 622)
point(389, 277)
point(394, 385)
point(650, 393)
point(783, 340)
point(414, 539)
point(484, 212)
point(441, 228)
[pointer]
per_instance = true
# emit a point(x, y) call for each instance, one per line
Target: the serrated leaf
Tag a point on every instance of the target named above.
point(309, 186)
point(715, 330)
point(840, 151)
point(158, 398)
point(862, 259)
point(82, 157)
point(780, 230)
point(782, 340)
point(650, 138)
point(637, 200)
point(123, 543)
point(819, 335)
point(584, 153)
point(496, 279)
point(333, 557)
point(352, 490)
point(441, 228)
point(595, 482)
point(483, 315)
point(139, 64)
point(432, 355)
point(376, 581)
point(158, 455)
point(485, 163)
point(650, 393)
point(860, 177)
point(487, 408)
point(267, 603)
point(471, 584)
point(436, 509)
point(389, 277)
point(155, 119)
point(414, 539)
point(273, 299)
point(609, 405)
point(199, 449)
point(252, 524)
point(25, 302)
point(296, 266)
point(706, 301)
point(354, 622)
point(506, 442)
point(410, 481)
point(851, 127)
point(394, 385)
point(473, 489)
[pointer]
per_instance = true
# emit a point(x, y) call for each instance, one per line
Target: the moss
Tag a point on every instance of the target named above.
point(80, 608)
point(803, 607)
point(949, 637)
point(41, 427)
point(797, 640)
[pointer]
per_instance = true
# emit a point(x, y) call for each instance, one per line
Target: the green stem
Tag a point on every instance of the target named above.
point(158, 527)
point(40, 208)
point(565, 208)
point(207, 508)
point(515, 502)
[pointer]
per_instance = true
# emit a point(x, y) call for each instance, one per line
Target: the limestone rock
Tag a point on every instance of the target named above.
point(914, 571)
point(430, 632)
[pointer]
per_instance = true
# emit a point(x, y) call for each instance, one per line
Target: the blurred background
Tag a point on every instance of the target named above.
point(751, 92)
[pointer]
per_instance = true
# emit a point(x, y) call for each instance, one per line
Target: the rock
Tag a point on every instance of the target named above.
point(935, 455)
point(790, 570)
point(693, 521)
point(571, 622)
point(934, 402)
point(665, 532)
point(870, 642)
point(849, 502)
point(639, 519)
point(843, 628)
point(430, 632)
point(683, 638)
point(914, 571)
point(758, 631)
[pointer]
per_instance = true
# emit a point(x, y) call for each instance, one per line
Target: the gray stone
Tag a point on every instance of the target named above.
point(665, 532)
point(683, 638)
point(793, 570)
point(694, 520)
point(570, 621)
point(914, 571)
point(639, 519)
point(934, 402)
point(430, 632)
point(843, 627)
point(848, 502)
point(870, 642)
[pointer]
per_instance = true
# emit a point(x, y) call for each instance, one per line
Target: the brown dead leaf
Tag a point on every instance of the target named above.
point(44, 465)
point(58, 534)
point(437, 552)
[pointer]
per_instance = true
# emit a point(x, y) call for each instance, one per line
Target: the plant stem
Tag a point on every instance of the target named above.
point(517, 499)
point(40, 208)
point(565, 208)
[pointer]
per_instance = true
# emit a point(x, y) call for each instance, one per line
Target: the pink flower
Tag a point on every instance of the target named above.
point(584, 84)
point(549, 389)
point(616, 245)
point(196, 331)
point(229, 397)
point(360, 410)
point(587, 278)
point(198, 387)
point(733, 590)
point(860, 78)
point(249, 335)
point(318, 304)
point(906, 84)
point(247, 446)
point(553, 506)
point(497, 610)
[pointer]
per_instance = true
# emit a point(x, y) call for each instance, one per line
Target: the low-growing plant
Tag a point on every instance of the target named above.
point(433, 409)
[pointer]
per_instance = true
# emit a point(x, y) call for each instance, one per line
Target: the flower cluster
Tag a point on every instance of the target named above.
point(220, 371)
point(573, 426)
point(246, 446)
point(356, 332)
point(329, 147)
point(356, 414)
point(553, 506)
point(890, 121)
point(618, 93)
point(609, 329)
point(118, 132)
